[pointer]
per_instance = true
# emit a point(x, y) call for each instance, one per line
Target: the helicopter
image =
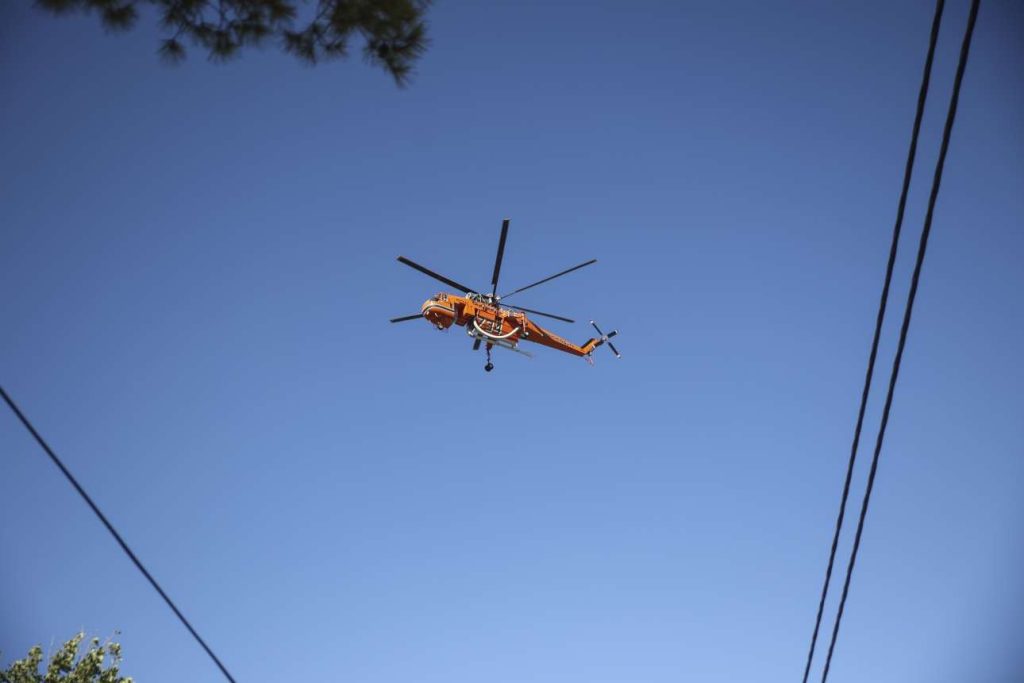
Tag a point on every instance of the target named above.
point(495, 324)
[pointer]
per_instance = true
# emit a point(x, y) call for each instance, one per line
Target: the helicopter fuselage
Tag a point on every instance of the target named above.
point(494, 325)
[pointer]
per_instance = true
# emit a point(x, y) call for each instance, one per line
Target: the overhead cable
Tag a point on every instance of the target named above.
point(922, 248)
point(922, 96)
point(113, 532)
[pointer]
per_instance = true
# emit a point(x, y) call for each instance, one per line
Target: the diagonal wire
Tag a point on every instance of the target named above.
point(113, 532)
point(922, 247)
point(907, 173)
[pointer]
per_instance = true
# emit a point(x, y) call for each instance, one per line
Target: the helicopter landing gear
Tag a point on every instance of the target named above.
point(490, 365)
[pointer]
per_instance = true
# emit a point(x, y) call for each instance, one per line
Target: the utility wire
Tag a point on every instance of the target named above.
point(113, 531)
point(907, 173)
point(922, 247)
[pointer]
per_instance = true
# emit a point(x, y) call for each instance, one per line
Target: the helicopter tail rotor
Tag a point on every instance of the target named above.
point(605, 338)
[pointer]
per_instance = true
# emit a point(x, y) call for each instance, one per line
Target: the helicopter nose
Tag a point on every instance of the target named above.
point(438, 314)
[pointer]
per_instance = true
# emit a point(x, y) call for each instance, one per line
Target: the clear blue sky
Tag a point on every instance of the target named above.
point(197, 267)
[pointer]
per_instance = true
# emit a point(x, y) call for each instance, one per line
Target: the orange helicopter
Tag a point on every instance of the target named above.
point(490, 322)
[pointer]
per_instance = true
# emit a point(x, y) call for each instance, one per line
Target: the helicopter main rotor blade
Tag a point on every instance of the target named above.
point(407, 317)
point(437, 276)
point(548, 279)
point(546, 315)
point(497, 259)
point(476, 345)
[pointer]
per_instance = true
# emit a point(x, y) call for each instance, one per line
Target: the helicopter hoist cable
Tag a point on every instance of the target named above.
point(908, 311)
point(907, 174)
point(113, 532)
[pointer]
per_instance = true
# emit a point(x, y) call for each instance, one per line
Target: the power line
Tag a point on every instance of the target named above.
point(907, 173)
point(113, 531)
point(922, 247)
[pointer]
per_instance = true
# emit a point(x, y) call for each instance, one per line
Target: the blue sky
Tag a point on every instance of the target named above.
point(197, 266)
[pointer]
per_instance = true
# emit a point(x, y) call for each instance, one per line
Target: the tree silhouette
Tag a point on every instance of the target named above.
point(100, 663)
point(393, 31)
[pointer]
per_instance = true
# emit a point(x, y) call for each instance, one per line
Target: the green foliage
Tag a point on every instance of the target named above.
point(66, 666)
point(393, 31)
